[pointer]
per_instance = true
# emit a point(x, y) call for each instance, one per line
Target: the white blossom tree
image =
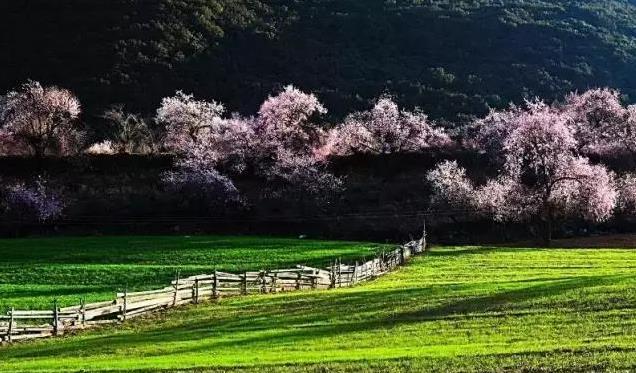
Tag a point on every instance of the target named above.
point(188, 120)
point(41, 120)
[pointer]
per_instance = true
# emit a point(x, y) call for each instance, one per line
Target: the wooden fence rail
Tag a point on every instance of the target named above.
point(19, 325)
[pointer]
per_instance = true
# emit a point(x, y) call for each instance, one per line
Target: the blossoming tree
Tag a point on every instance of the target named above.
point(596, 117)
point(41, 120)
point(37, 201)
point(206, 142)
point(188, 120)
point(385, 129)
point(288, 141)
point(279, 144)
point(543, 177)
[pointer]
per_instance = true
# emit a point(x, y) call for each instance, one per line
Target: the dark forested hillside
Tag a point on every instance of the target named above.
point(449, 57)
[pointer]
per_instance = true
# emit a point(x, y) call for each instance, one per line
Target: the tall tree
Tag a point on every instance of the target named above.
point(543, 177)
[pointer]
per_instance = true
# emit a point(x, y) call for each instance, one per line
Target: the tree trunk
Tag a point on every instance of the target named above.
point(38, 150)
point(548, 231)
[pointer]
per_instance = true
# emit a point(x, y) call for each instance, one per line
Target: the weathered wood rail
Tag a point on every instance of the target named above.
point(21, 325)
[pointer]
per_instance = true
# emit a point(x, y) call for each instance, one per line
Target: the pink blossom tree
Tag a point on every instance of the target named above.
point(206, 143)
point(489, 133)
point(385, 129)
point(596, 117)
point(288, 140)
point(543, 176)
point(286, 121)
point(626, 185)
point(621, 137)
point(222, 148)
point(599, 122)
point(41, 120)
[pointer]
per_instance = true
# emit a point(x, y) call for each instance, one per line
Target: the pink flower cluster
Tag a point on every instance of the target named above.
point(280, 143)
point(385, 129)
point(597, 119)
point(545, 172)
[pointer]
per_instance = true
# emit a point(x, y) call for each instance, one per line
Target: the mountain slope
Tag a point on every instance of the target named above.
point(449, 57)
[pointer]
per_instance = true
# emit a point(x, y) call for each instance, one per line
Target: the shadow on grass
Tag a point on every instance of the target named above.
point(477, 250)
point(587, 360)
point(255, 323)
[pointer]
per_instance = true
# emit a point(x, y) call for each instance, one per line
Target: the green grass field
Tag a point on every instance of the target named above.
point(35, 271)
point(458, 309)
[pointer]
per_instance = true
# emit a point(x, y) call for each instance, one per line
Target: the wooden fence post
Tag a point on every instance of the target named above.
point(384, 264)
point(299, 276)
point(376, 267)
point(263, 282)
point(332, 275)
point(275, 282)
point(215, 286)
point(56, 319)
point(402, 258)
point(423, 243)
point(339, 273)
point(176, 289)
point(125, 305)
point(244, 284)
point(314, 280)
point(82, 311)
point(354, 275)
point(11, 325)
point(195, 291)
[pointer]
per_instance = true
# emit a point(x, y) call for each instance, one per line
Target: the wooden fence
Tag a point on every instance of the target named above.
point(21, 325)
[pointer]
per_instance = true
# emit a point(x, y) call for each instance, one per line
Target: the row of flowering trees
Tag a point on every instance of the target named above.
point(284, 143)
point(37, 120)
point(542, 151)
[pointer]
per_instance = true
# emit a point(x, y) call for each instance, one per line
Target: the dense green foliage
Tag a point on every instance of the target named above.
point(449, 57)
point(460, 309)
point(35, 271)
